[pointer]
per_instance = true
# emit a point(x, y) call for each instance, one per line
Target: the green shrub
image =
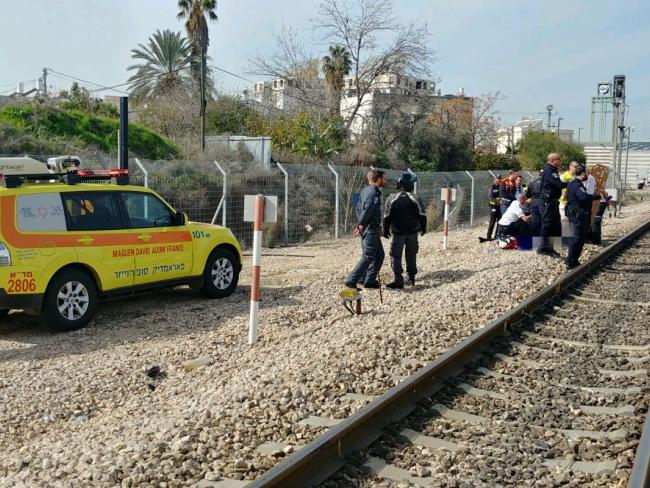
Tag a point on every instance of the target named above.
point(88, 130)
point(484, 162)
point(536, 146)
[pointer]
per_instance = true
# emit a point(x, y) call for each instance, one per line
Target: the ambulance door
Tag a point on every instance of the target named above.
point(98, 229)
point(164, 251)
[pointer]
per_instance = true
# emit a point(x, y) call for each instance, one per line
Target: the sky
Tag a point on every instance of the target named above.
point(535, 53)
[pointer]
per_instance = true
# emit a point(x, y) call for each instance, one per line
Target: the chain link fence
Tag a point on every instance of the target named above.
point(315, 202)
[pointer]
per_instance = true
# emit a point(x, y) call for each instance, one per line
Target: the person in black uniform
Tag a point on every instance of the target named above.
point(578, 210)
point(368, 227)
point(495, 209)
point(551, 190)
point(405, 217)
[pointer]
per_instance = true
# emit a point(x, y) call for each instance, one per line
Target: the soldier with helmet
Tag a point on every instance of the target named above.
point(405, 217)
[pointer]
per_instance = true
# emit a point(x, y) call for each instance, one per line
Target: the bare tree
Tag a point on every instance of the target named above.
point(358, 26)
point(485, 122)
point(476, 116)
point(299, 71)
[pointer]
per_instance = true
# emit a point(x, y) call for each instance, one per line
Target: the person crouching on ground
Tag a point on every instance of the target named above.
point(368, 227)
point(514, 222)
point(404, 217)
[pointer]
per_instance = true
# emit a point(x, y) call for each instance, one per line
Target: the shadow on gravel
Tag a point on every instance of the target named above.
point(156, 315)
point(449, 276)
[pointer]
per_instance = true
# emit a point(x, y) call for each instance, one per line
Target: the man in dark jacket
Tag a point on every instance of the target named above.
point(550, 212)
point(404, 217)
point(495, 209)
point(368, 227)
point(578, 210)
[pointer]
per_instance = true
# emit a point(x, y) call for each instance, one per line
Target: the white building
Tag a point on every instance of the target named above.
point(516, 132)
point(386, 84)
point(282, 93)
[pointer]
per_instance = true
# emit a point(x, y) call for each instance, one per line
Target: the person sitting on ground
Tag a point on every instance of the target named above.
point(515, 223)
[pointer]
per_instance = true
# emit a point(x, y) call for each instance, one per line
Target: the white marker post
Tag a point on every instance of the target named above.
point(258, 209)
point(257, 262)
point(448, 195)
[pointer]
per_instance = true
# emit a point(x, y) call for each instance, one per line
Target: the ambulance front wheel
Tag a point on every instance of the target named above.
point(70, 301)
point(220, 275)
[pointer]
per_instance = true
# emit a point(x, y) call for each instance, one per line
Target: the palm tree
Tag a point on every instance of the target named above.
point(196, 26)
point(335, 66)
point(164, 69)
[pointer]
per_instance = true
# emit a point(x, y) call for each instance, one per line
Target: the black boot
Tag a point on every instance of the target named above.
point(395, 286)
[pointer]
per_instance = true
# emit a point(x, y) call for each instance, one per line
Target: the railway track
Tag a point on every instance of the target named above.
point(555, 391)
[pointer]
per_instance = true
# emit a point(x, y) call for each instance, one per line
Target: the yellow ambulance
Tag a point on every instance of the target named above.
point(73, 237)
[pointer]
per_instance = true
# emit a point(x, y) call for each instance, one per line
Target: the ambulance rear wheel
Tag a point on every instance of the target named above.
point(3, 313)
point(70, 301)
point(220, 275)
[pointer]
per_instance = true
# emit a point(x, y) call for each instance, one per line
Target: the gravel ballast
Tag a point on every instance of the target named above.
point(79, 409)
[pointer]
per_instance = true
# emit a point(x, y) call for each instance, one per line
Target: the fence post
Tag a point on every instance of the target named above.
point(144, 171)
point(336, 202)
point(415, 185)
point(445, 223)
point(530, 174)
point(471, 210)
point(493, 175)
point(286, 202)
point(222, 202)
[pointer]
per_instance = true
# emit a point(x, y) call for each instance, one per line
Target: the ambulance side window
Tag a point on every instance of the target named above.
point(146, 210)
point(93, 210)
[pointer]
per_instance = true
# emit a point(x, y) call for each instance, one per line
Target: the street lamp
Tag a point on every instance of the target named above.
point(558, 125)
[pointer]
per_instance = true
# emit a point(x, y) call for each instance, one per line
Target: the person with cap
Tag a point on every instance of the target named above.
point(578, 210)
point(405, 217)
point(495, 210)
point(368, 228)
point(551, 189)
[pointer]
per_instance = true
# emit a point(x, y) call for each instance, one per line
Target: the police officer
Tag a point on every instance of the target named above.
point(551, 187)
point(368, 227)
point(405, 217)
point(578, 210)
point(495, 210)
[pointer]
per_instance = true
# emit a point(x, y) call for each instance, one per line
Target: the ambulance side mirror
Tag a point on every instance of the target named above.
point(181, 218)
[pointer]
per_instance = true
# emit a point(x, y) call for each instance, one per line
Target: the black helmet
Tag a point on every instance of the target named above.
point(406, 181)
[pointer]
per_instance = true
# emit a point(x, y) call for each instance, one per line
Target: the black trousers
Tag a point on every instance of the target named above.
point(580, 225)
point(595, 231)
point(495, 215)
point(409, 244)
point(551, 222)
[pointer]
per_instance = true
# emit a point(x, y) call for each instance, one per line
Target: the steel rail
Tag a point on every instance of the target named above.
point(640, 475)
point(326, 454)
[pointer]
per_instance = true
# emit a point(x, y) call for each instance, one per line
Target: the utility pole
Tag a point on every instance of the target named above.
point(44, 82)
point(579, 131)
point(512, 141)
point(558, 125)
point(202, 96)
point(549, 109)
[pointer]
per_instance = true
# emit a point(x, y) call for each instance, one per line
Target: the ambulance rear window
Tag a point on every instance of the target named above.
point(42, 212)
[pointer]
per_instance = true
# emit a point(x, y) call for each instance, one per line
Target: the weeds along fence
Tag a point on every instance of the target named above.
point(315, 202)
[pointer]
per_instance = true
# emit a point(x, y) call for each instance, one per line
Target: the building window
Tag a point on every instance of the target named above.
point(275, 83)
point(424, 85)
point(391, 80)
point(418, 85)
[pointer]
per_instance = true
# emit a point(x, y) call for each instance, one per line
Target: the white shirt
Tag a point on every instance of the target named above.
point(590, 184)
point(514, 213)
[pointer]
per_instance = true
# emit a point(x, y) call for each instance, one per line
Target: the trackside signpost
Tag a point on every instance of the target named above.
point(259, 210)
point(448, 195)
